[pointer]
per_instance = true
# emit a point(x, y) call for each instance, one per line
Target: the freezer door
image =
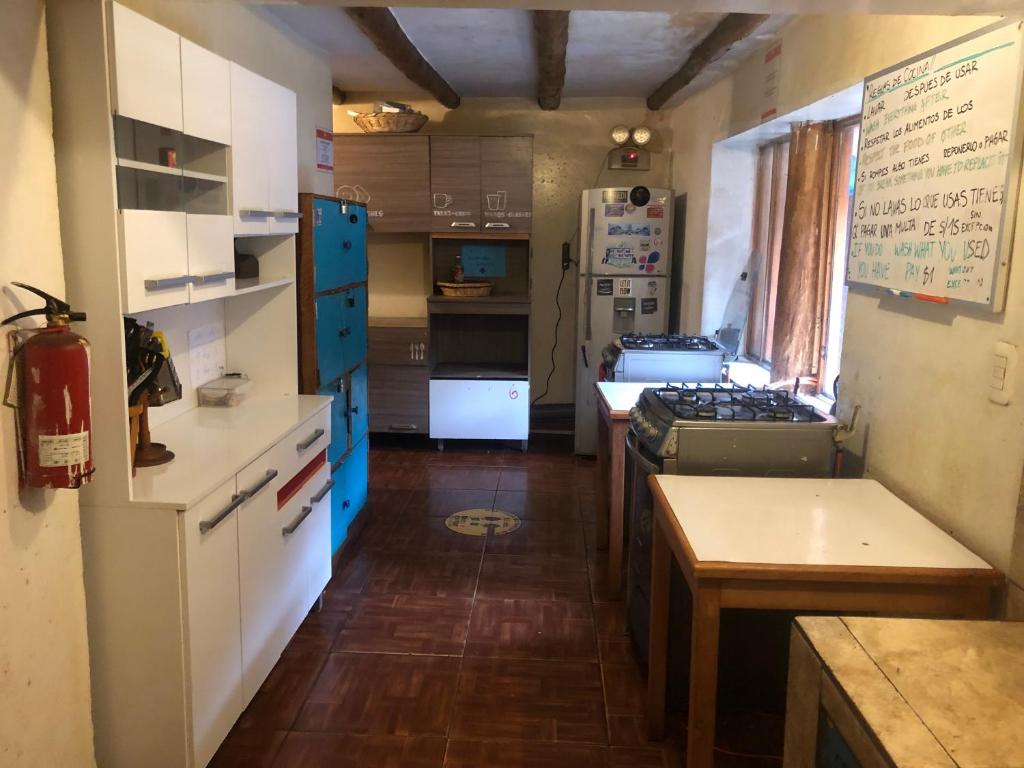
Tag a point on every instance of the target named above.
point(622, 238)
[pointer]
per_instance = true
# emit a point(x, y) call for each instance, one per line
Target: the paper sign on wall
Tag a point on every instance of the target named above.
point(770, 82)
point(324, 150)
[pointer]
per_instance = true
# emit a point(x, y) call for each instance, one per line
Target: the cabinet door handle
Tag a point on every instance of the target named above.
point(213, 522)
point(346, 244)
point(355, 409)
point(288, 530)
point(402, 427)
point(463, 225)
point(255, 213)
point(167, 282)
point(309, 440)
point(497, 225)
point(350, 301)
point(270, 475)
point(319, 495)
point(213, 277)
point(285, 214)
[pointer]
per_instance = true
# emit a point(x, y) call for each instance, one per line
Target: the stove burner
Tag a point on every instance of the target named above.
point(668, 341)
point(727, 402)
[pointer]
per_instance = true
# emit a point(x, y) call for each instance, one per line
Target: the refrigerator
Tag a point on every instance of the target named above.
point(624, 264)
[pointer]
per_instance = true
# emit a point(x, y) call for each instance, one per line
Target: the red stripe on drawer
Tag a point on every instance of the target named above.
point(293, 486)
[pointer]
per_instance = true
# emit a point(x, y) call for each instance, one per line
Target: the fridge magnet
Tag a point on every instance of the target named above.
point(605, 286)
point(619, 256)
point(648, 306)
point(614, 196)
point(615, 209)
point(655, 212)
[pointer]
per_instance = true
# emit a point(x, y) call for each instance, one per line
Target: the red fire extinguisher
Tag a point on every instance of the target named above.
point(51, 373)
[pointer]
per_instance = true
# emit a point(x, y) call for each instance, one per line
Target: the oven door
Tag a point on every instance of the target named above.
point(640, 465)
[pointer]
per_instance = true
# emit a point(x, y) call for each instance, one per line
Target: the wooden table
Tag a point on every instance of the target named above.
point(614, 401)
point(905, 692)
point(792, 544)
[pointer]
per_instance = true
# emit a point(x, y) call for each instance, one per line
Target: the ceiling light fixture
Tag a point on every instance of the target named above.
point(620, 134)
point(641, 135)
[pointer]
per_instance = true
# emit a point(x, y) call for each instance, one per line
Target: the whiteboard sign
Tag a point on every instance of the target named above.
point(937, 171)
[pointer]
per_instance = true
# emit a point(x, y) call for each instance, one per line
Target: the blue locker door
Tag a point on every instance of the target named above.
point(358, 413)
point(349, 494)
point(353, 243)
point(329, 263)
point(331, 343)
point(339, 422)
point(355, 325)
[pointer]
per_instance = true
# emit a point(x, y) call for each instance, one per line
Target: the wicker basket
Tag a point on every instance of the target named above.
point(390, 122)
point(468, 290)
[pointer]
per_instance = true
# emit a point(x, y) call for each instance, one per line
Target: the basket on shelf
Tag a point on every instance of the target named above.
point(473, 289)
point(390, 122)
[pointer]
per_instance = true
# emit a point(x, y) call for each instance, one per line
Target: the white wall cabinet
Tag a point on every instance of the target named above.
point(147, 69)
point(264, 164)
point(154, 245)
point(211, 257)
point(205, 93)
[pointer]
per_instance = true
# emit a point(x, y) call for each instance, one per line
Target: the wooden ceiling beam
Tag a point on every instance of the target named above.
point(384, 31)
point(551, 34)
point(729, 31)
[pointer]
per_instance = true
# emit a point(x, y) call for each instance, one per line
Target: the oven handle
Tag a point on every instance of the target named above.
point(634, 451)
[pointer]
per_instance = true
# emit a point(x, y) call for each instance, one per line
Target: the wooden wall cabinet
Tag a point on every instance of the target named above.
point(399, 377)
point(506, 183)
point(390, 174)
point(455, 183)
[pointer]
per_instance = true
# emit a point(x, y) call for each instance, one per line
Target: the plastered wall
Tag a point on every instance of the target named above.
point(570, 146)
point(920, 373)
point(44, 662)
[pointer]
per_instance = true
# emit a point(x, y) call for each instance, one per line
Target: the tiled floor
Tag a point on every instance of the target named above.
point(438, 649)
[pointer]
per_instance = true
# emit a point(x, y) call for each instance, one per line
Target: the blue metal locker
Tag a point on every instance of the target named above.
point(331, 268)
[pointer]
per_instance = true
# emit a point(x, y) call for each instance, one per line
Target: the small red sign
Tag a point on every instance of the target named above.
point(655, 212)
point(324, 150)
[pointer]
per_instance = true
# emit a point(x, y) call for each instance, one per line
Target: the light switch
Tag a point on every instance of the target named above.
point(1004, 367)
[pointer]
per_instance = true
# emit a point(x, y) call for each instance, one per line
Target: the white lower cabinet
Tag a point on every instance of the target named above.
point(210, 534)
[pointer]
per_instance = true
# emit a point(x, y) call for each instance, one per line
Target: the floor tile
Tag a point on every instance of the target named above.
point(382, 694)
point(531, 629)
point(350, 750)
point(276, 704)
point(425, 575)
point(522, 754)
point(376, 535)
point(248, 749)
point(462, 478)
point(416, 535)
point(539, 479)
point(386, 502)
point(406, 624)
point(624, 688)
point(648, 757)
point(530, 700)
point(541, 538)
point(318, 630)
point(539, 506)
point(512, 577)
point(444, 502)
point(350, 578)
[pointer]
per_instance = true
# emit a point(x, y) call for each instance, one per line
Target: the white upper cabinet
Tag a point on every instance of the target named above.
point(147, 69)
point(154, 245)
point(205, 93)
point(264, 162)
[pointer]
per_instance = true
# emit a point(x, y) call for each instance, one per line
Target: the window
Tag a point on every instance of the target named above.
point(768, 225)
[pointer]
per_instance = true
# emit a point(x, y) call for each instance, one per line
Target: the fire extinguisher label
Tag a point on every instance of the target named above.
point(63, 450)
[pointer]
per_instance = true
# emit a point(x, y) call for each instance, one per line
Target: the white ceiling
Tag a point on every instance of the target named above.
point(490, 52)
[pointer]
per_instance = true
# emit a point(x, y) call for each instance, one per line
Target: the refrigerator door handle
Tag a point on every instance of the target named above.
point(587, 307)
point(591, 212)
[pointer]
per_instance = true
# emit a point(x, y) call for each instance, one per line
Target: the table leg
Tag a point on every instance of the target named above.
point(657, 648)
point(700, 738)
point(616, 490)
point(603, 481)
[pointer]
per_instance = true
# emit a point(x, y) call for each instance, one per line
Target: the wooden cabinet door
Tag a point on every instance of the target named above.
point(390, 174)
point(398, 398)
point(205, 93)
point(214, 620)
point(398, 346)
point(147, 69)
point(506, 183)
point(455, 183)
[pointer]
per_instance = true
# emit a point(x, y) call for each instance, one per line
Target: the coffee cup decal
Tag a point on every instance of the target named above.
point(441, 200)
point(496, 201)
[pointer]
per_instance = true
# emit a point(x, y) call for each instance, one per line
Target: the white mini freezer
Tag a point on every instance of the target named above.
point(480, 409)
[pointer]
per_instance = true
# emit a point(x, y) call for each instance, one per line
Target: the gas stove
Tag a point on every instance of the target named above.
point(665, 357)
point(732, 429)
point(668, 342)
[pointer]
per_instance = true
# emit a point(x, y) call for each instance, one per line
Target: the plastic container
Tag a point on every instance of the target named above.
point(225, 392)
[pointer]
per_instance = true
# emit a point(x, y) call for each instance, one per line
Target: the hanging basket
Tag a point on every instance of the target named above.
point(390, 122)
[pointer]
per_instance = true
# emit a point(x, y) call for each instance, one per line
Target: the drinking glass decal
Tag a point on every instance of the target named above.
point(441, 200)
point(496, 201)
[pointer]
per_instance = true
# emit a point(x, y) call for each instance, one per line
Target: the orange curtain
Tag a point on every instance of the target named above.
point(797, 335)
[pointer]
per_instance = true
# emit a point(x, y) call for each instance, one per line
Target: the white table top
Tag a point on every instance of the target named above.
point(212, 444)
point(623, 395)
point(787, 521)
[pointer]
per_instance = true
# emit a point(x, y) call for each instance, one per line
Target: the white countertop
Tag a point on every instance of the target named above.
point(211, 445)
point(786, 521)
point(622, 395)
